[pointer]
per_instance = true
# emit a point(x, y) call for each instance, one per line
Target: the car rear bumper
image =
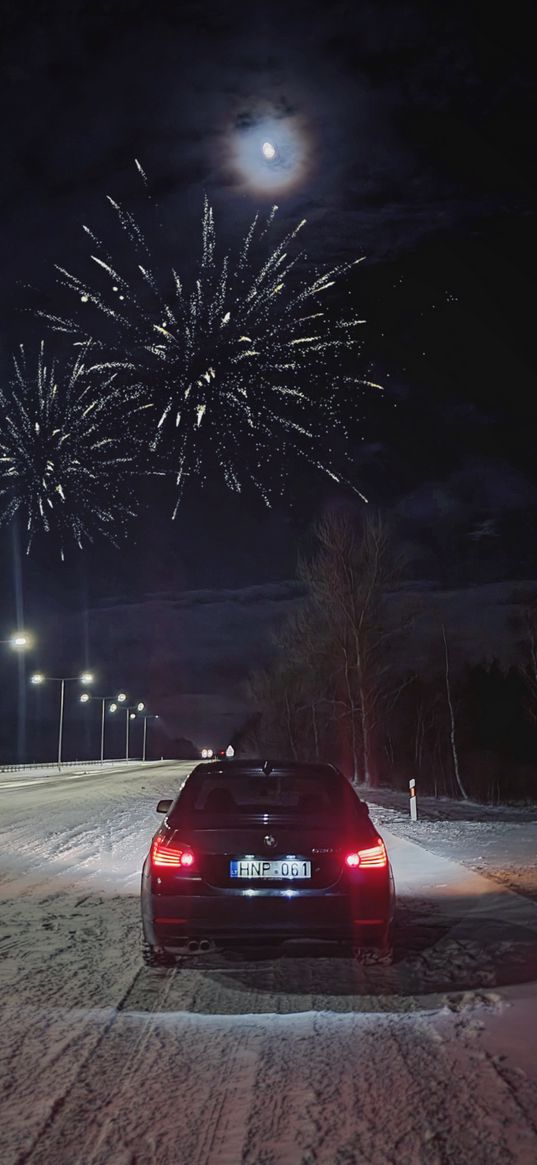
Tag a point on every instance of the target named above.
point(170, 921)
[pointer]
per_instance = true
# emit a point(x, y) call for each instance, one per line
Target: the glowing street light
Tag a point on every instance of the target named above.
point(119, 700)
point(130, 714)
point(19, 641)
point(85, 698)
point(39, 678)
point(147, 716)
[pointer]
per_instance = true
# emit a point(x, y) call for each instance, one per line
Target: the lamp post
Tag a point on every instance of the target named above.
point(148, 716)
point(85, 698)
point(130, 714)
point(20, 642)
point(39, 678)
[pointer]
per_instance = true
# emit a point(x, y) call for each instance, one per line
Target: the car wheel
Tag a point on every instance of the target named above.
point(152, 957)
point(373, 956)
point(381, 956)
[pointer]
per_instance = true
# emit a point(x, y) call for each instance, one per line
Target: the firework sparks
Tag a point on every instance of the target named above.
point(59, 464)
point(248, 366)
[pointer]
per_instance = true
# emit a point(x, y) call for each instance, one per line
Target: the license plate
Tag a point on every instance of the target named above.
point(260, 868)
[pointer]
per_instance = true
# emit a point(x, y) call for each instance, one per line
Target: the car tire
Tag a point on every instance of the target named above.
point(373, 956)
point(152, 957)
point(381, 956)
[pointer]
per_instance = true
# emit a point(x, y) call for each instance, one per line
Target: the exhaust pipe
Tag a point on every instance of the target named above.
point(205, 944)
point(193, 945)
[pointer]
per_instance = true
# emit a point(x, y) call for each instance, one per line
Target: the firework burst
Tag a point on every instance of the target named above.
point(60, 464)
point(248, 366)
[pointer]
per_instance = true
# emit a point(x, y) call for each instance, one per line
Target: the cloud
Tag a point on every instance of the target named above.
point(188, 655)
point(393, 106)
point(482, 488)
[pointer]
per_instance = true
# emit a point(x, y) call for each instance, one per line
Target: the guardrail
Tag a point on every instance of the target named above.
point(66, 764)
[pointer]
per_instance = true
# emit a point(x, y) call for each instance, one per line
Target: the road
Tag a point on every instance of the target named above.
point(300, 1059)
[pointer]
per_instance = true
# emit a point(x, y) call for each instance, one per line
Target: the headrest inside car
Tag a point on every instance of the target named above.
point(219, 801)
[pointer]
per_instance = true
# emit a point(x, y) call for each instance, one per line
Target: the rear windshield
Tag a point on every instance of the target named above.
point(282, 792)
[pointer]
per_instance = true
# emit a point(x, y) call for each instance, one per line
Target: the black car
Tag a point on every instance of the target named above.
point(265, 850)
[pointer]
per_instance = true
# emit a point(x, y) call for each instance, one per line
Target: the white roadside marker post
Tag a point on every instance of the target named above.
point(413, 800)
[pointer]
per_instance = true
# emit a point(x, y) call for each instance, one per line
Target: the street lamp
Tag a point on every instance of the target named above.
point(130, 714)
point(120, 700)
point(19, 641)
point(39, 678)
point(85, 698)
point(148, 716)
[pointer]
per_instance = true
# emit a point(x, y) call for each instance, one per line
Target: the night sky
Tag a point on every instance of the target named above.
point(407, 131)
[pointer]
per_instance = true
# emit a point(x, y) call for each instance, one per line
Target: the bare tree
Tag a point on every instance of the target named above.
point(330, 684)
point(452, 735)
point(524, 625)
point(347, 580)
point(274, 695)
point(305, 645)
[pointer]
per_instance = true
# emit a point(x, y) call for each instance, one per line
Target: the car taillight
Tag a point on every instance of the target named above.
point(372, 858)
point(178, 855)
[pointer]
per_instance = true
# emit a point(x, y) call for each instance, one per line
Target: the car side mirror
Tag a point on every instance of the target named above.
point(164, 806)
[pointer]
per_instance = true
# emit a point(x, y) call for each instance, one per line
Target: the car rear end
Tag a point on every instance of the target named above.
point(253, 853)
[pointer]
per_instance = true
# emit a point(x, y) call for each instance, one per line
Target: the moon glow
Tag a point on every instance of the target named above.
point(270, 153)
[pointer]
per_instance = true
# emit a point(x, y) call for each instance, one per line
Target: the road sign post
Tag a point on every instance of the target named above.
point(413, 800)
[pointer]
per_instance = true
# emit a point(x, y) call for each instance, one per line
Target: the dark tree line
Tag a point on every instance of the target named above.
point(339, 688)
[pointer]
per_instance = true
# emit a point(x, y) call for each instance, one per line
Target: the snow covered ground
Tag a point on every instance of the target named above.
point(16, 777)
point(299, 1059)
point(499, 840)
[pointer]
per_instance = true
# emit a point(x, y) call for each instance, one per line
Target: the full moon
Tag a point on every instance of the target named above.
point(270, 152)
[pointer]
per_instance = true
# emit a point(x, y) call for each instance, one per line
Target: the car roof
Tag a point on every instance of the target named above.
point(266, 767)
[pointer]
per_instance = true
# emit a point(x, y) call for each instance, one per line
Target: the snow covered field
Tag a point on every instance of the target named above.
point(300, 1059)
point(499, 840)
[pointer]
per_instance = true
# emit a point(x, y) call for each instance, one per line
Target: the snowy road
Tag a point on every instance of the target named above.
point(293, 1060)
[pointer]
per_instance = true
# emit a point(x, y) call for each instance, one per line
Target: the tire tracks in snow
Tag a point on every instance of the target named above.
point(106, 1090)
point(170, 1083)
point(59, 1103)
